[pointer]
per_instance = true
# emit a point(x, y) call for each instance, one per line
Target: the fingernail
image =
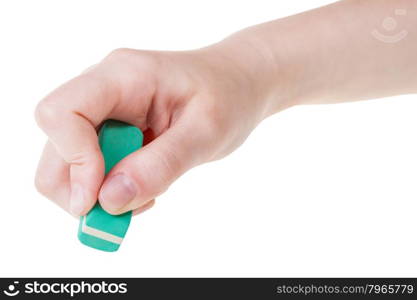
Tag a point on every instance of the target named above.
point(117, 192)
point(76, 199)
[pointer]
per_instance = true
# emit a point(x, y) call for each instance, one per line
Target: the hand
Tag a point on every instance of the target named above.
point(194, 106)
point(198, 106)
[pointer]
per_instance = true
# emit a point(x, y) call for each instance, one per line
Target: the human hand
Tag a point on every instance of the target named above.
point(194, 107)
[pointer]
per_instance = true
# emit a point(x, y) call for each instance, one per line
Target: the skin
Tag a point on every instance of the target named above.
point(198, 106)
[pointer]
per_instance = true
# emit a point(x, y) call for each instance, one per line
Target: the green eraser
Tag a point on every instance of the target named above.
point(99, 229)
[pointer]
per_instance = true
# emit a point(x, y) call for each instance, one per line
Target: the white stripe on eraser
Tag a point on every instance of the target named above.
point(100, 234)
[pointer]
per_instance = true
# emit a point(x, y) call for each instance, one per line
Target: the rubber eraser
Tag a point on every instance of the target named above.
point(99, 229)
point(103, 231)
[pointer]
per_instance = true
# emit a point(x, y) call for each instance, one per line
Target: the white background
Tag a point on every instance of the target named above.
point(315, 190)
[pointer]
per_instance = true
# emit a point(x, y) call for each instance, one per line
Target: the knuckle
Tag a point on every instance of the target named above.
point(151, 185)
point(43, 185)
point(170, 163)
point(79, 158)
point(47, 115)
point(120, 53)
point(147, 60)
point(89, 156)
point(213, 121)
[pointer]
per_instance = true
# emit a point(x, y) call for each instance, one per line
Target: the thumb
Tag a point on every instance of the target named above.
point(148, 172)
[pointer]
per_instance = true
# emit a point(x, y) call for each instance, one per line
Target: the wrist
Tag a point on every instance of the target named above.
point(267, 77)
point(254, 68)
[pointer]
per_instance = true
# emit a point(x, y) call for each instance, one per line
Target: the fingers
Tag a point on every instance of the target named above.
point(120, 87)
point(75, 139)
point(52, 180)
point(148, 172)
point(69, 116)
point(52, 177)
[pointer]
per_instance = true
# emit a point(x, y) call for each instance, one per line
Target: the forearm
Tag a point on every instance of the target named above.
point(330, 54)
